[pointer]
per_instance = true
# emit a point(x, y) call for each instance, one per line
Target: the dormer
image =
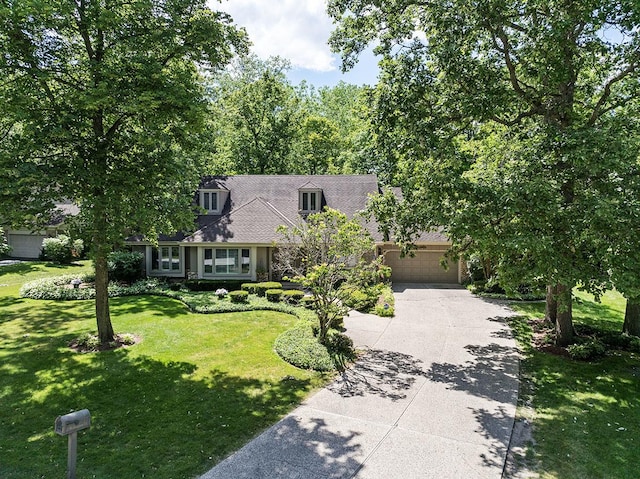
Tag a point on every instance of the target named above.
point(212, 200)
point(309, 199)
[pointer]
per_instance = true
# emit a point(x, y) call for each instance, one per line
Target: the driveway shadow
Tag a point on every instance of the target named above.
point(387, 374)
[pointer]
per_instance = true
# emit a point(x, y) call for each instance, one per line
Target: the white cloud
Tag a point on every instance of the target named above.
point(297, 30)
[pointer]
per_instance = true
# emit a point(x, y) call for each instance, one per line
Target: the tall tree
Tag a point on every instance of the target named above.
point(256, 118)
point(100, 98)
point(539, 76)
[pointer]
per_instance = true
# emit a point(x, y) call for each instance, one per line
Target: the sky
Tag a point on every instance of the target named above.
point(297, 30)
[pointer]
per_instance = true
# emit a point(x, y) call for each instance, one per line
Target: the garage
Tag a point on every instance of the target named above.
point(24, 244)
point(423, 267)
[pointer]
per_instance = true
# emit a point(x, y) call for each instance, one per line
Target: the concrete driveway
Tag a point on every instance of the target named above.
point(433, 396)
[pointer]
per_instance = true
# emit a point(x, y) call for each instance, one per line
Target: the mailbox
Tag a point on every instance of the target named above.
point(73, 422)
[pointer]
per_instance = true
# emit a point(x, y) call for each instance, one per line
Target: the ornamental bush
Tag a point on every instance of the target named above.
point(299, 346)
point(274, 295)
point(590, 349)
point(261, 288)
point(5, 249)
point(249, 287)
point(239, 296)
point(61, 249)
point(125, 266)
point(293, 296)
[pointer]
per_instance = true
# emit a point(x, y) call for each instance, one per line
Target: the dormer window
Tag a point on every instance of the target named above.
point(209, 201)
point(310, 201)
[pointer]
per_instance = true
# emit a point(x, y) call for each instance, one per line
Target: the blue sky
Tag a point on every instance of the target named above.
point(297, 30)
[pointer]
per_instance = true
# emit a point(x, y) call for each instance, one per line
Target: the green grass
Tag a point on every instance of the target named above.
point(586, 414)
point(195, 389)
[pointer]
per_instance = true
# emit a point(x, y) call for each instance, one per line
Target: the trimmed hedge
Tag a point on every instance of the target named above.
point(125, 266)
point(298, 346)
point(249, 287)
point(261, 288)
point(292, 296)
point(239, 297)
point(274, 295)
point(212, 284)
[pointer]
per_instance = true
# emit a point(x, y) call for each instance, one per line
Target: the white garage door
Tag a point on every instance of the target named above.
point(25, 245)
point(424, 267)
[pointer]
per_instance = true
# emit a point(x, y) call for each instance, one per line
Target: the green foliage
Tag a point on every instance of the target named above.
point(249, 287)
point(293, 296)
point(361, 299)
point(212, 284)
point(511, 125)
point(116, 106)
point(5, 249)
point(125, 266)
point(274, 295)
point(62, 249)
point(386, 302)
point(299, 346)
point(239, 296)
point(587, 350)
point(60, 288)
point(321, 253)
point(261, 288)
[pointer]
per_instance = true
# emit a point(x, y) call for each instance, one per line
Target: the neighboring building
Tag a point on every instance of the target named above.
point(27, 244)
point(235, 238)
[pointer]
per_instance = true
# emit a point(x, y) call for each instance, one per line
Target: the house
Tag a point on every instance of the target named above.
point(235, 237)
point(27, 244)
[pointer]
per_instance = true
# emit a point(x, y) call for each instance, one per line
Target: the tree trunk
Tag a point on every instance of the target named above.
point(564, 319)
point(103, 318)
point(551, 306)
point(632, 318)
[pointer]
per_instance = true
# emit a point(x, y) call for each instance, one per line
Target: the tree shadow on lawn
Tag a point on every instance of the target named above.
point(149, 418)
point(588, 415)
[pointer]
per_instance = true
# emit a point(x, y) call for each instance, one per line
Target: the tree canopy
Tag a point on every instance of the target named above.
point(509, 124)
point(101, 102)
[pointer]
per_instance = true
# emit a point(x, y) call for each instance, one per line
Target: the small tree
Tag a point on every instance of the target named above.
point(321, 253)
point(5, 249)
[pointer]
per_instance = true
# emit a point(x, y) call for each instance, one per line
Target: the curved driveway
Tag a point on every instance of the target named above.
point(434, 396)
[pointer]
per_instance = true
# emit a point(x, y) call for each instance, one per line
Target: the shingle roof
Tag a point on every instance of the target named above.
point(258, 204)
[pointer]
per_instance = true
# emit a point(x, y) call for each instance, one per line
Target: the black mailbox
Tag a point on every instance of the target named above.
point(73, 422)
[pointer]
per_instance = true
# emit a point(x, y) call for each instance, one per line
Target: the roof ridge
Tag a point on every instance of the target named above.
point(275, 210)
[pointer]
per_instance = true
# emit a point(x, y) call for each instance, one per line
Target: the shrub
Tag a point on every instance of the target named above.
point(221, 293)
point(361, 299)
point(261, 288)
point(308, 302)
point(61, 249)
point(588, 350)
point(5, 249)
point(175, 286)
point(239, 296)
point(298, 346)
point(125, 266)
point(274, 295)
point(249, 287)
point(212, 284)
point(293, 296)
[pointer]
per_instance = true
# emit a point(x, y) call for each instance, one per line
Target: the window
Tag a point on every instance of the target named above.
point(221, 261)
point(165, 259)
point(209, 201)
point(310, 201)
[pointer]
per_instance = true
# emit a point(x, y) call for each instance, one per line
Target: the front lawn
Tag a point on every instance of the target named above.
point(586, 415)
point(195, 389)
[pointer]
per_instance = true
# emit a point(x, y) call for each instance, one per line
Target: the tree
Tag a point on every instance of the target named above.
point(256, 118)
point(100, 100)
point(537, 83)
point(320, 253)
point(317, 147)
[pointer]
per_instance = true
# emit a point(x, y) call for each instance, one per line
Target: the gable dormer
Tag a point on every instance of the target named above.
point(212, 200)
point(309, 199)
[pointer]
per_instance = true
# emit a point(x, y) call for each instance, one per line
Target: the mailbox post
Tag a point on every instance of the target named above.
point(69, 425)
